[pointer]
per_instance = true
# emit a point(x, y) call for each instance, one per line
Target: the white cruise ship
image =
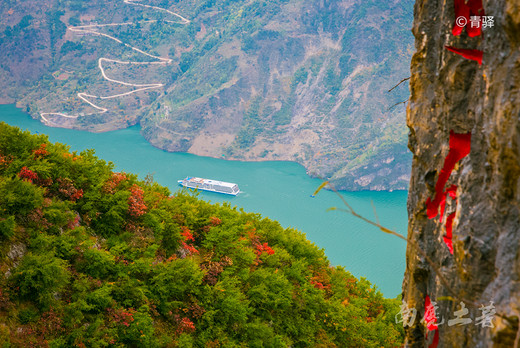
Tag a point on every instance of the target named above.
point(228, 188)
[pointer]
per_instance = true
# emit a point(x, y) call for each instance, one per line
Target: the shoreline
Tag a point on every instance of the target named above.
point(278, 190)
point(199, 155)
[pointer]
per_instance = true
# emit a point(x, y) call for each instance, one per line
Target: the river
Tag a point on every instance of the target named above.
point(278, 190)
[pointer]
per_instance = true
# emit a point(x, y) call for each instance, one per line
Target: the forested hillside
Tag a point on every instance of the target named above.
point(304, 81)
point(94, 258)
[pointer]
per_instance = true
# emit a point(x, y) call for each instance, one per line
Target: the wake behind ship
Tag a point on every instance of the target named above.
point(227, 188)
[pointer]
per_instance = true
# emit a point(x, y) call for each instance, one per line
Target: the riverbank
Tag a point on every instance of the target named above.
point(278, 190)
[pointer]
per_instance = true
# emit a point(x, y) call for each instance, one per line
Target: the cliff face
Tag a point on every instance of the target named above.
point(451, 93)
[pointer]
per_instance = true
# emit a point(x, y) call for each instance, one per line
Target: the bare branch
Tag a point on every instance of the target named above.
point(391, 89)
point(393, 106)
point(410, 242)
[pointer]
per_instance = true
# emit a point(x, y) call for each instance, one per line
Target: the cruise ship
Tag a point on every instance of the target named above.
point(227, 188)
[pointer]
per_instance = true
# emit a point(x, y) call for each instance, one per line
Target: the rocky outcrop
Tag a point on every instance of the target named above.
point(450, 93)
point(15, 254)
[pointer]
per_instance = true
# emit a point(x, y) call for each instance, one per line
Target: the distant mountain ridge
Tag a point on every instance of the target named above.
point(303, 81)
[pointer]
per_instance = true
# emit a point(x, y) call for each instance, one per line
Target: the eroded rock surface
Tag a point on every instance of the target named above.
point(451, 93)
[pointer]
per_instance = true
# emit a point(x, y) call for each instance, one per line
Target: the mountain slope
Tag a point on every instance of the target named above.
point(90, 257)
point(303, 81)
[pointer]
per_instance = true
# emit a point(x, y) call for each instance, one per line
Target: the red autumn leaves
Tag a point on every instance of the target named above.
point(263, 248)
point(136, 206)
point(319, 281)
point(40, 152)
point(27, 174)
point(5, 161)
point(112, 183)
point(463, 19)
point(185, 325)
point(186, 233)
point(66, 188)
point(122, 316)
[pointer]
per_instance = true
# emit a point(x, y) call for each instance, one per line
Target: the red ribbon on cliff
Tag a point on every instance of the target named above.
point(452, 192)
point(461, 11)
point(429, 314)
point(431, 321)
point(468, 54)
point(448, 237)
point(460, 146)
point(435, 342)
point(464, 13)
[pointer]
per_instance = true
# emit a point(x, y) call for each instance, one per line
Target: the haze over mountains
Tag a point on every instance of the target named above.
point(303, 81)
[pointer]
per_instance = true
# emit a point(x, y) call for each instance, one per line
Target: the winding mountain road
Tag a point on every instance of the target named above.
point(89, 30)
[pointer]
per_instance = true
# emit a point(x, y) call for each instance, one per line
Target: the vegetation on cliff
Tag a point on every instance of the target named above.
point(90, 257)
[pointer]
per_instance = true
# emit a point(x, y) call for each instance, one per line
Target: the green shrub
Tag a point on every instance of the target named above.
point(97, 263)
point(171, 238)
point(174, 281)
point(27, 315)
point(140, 331)
point(40, 276)
point(100, 299)
point(7, 227)
point(19, 197)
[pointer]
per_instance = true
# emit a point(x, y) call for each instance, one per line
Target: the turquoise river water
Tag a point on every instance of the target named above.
point(277, 190)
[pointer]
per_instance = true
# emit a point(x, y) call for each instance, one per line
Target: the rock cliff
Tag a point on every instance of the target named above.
point(453, 94)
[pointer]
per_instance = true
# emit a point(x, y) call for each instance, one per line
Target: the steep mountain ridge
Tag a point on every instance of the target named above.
point(302, 81)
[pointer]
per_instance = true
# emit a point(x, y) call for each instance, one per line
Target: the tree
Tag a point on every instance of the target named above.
point(40, 276)
point(19, 197)
point(174, 281)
